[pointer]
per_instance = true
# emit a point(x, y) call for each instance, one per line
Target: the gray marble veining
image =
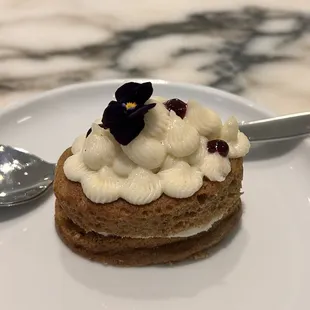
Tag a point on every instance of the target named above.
point(258, 52)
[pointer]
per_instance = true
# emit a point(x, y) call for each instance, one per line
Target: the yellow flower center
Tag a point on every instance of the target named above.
point(130, 105)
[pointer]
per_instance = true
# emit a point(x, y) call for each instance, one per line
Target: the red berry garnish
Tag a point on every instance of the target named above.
point(219, 146)
point(176, 105)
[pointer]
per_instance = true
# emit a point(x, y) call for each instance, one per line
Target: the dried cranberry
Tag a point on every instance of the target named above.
point(219, 146)
point(176, 105)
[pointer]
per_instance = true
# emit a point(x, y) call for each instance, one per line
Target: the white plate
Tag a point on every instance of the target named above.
point(265, 266)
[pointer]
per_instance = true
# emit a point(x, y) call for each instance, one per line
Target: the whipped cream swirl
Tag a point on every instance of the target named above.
point(169, 156)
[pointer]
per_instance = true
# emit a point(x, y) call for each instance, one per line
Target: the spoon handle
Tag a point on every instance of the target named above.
point(277, 128)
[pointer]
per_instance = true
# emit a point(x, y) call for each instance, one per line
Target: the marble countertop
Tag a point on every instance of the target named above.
point(257, 49)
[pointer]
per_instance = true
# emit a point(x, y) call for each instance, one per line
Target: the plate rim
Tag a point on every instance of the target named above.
point(11, 107)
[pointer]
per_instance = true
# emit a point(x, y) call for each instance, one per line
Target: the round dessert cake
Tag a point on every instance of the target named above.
point(154, 181)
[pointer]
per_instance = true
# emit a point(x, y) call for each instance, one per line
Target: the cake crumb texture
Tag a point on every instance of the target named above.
point(163, 217)
point(142, 252)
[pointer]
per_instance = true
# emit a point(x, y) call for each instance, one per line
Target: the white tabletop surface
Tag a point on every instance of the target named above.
point(256, 48)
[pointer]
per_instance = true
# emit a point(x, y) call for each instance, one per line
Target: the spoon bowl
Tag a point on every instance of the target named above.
point(23, 176)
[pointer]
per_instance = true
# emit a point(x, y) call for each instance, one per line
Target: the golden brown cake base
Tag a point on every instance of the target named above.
point(162, 217)
point(142, 251)
point(77, 219)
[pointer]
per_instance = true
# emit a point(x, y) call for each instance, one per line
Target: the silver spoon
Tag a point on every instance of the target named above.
point(279, 128)
point(25, 177)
